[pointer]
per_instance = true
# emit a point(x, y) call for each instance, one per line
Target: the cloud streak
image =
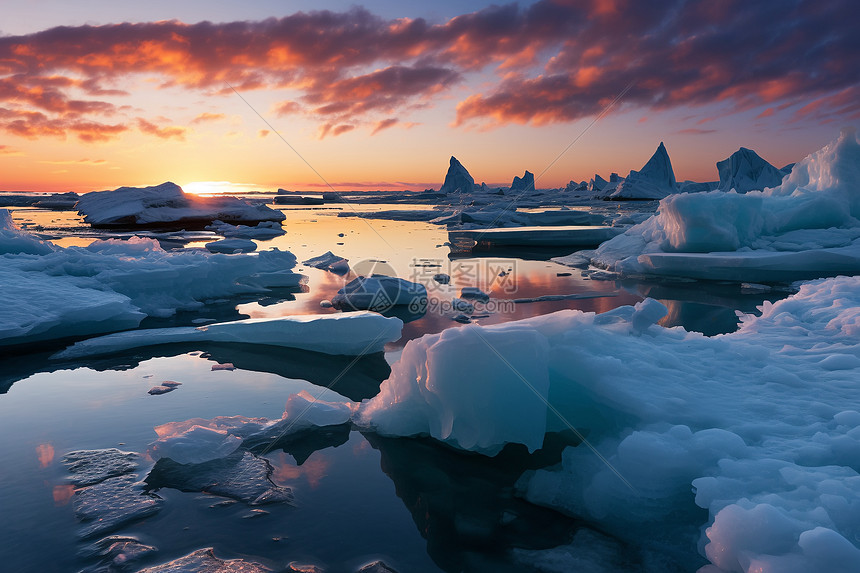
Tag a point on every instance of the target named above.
point(552, 61)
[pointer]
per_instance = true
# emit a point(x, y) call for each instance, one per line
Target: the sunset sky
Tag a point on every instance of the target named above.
point(97, 94)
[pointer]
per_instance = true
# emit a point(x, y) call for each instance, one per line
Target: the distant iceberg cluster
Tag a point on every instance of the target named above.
point(806, 227)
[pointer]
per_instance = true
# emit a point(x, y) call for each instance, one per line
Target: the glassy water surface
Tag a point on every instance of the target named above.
point(415, 504)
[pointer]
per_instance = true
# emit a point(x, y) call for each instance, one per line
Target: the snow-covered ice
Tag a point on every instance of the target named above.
point(113, 284)
point(807, 227)
point(760, 424)
point(166, 204)
point(379, 292)
point(350, 334)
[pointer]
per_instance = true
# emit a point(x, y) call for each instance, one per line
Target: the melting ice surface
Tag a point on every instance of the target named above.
point(601, 437)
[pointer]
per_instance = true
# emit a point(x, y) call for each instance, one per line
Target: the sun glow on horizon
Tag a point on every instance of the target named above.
point(222, 188)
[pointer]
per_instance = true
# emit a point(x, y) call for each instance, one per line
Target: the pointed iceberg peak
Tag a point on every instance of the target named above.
point(659, 167)
point(744, 170)
point(655, 180)
point(458, 179)
point(526, 183)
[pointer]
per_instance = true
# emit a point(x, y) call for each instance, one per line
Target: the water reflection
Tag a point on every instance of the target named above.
point(356, 378)
point(463, 504)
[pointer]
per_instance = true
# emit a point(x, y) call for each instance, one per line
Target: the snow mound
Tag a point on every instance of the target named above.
point(756, 422)
point(350, 334)
point(457, 179)
point(379, 292)
point(655, 180)
point(166, 205)
point(745, 171)
point(807, 227)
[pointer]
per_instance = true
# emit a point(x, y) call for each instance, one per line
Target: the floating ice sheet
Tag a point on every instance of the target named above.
point(349, 333)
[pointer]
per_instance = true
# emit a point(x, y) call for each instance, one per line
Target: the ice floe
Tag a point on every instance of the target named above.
point(350, 334)
point(113, 284)
point(198, 440)
point(234, 245)
point(757, 427)
point(90, 467)
point(167, 205)
point(328, 261)
point(379, 292)
point(113, 503)
point(240, 475)
point(262, 231)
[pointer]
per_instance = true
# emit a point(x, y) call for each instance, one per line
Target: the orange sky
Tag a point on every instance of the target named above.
point(381, 101)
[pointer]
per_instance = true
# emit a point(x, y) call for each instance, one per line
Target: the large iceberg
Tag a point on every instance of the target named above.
point(457, 179)
point(762, 423)
point(525, 183)
point(167, 205)
point(807, 227)
point(745, 171)
point(655, 180)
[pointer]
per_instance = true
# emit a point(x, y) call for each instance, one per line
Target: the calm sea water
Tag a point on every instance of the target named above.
point(417, 505)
